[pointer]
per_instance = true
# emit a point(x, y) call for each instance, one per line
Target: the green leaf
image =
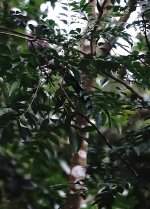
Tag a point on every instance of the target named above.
point(6, 118)
point(65, 8)
point(117, 125)
point(118, 1)
point(32, 27)
point(63, 14)
point(64, 21)
point(82, 3)
point(32, 119)
point(14, 87)
point(99, 120)
point(25, 132)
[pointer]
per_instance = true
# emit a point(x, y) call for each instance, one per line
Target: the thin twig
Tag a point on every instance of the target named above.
point(85, 117)
point(134, 92)
point(16, 34)
point(33, 97)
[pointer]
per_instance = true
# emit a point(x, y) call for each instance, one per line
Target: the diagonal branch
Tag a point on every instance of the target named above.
point(16, 34)
point(134, 92)
point(85, 117)
point(98, 131)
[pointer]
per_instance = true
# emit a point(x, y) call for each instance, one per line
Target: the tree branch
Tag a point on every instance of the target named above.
point(16, 34)
point(85, 117)
point(134, 92)
point(98, 131)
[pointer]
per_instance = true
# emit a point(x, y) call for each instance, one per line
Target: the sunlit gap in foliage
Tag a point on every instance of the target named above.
point(123, 47)
point(68, 21)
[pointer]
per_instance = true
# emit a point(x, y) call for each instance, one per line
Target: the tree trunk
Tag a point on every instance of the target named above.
point(79, 159)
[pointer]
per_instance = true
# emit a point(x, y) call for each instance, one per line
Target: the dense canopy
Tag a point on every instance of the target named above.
point(74, 104)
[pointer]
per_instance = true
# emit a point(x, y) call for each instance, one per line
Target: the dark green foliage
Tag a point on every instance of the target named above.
point(43, 92)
